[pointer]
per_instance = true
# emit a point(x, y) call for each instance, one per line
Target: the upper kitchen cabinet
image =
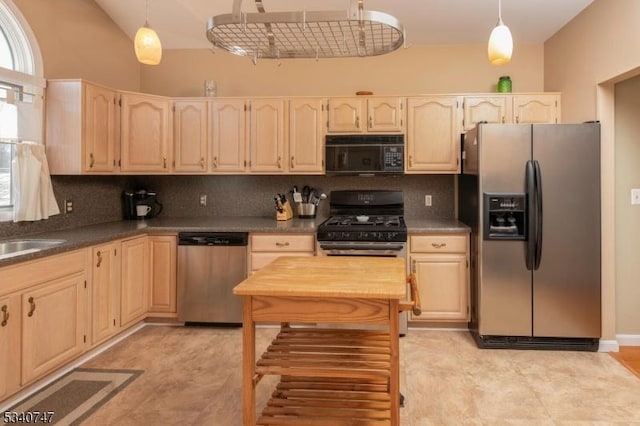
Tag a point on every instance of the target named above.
point(536, 108)
point(267, 135)
point(492, 109)
point(383, 115)
point(145, 136)
point(306, 136)
point(434, 125)
point(190, 136)
point(81, 132)
point(228, 130)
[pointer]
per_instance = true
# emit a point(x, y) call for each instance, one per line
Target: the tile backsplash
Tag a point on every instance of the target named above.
point(97, 199)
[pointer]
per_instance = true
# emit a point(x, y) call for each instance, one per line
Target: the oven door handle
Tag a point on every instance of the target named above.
point(360, 247)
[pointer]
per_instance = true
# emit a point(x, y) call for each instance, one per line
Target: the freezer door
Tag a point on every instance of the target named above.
point(566, 285)
point(504, 293)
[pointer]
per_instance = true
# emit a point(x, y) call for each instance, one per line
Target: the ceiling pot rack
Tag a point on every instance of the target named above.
point(305, 34)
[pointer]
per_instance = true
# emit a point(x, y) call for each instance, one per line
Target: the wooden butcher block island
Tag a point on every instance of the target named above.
point(328, 376)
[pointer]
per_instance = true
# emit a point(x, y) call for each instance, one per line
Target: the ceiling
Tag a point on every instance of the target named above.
point(181, 24)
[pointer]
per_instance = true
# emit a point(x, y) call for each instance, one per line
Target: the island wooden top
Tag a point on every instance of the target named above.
point(329, 276)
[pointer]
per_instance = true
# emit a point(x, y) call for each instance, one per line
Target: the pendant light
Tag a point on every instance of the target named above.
point(500, 41)
point(147, 44)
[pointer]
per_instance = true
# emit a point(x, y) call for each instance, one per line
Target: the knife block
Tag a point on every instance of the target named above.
point(287, 212)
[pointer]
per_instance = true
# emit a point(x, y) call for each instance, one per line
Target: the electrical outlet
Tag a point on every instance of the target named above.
point(68, 206)
point(635, 196)
point(203, 200)
point(427, 200)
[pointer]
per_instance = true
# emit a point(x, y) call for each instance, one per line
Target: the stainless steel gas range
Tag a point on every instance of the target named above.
point(365, 223)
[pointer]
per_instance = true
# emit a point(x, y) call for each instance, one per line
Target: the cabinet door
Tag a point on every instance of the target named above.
point(385, 115)
point(134, 293)
point(228, 136)
point(492, 109)
point(443, 286)
point(536, 108)
point(99, 129)
point(267, 135)
point(433, 134)
point(345, 115)
point(9, 345)
point(145, 133)
point(105, 292)
point(163, 273)
point(53, 321)
point(190, 136)
point(306, 137)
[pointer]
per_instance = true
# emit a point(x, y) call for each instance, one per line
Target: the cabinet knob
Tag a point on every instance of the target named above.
point(91, 161)
point(5, 315)
point(410, 160)
point(32, 307)
point(279, 162)
point(99, 255)
point(292, 163)
point(202, 164)
point(164, 162)
point(357, 122)
point(215, 162)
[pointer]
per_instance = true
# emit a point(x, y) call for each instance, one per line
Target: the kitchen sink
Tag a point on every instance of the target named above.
point(19, 247)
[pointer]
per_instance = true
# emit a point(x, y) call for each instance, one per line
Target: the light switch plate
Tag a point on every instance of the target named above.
point(635, 196)
point(427, 200)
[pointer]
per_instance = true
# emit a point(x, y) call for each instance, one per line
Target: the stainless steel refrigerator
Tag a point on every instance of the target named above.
point(531, 194)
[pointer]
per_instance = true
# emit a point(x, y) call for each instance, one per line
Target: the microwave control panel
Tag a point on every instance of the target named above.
point(393, 159)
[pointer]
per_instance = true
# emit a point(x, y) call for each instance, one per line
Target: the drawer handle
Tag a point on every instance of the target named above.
point(215, 162)
point(438, 245)
point(282, 244)
point(32, 308)
point(5, 315)
point(99, 254)
point(292, 163)
point(91, 160)
point(279, 162)
point(202, 164)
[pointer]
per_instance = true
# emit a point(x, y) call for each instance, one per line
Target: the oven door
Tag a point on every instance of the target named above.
point(361, 248)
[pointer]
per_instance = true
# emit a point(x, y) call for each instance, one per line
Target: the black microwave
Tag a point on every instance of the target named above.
point(364, 154)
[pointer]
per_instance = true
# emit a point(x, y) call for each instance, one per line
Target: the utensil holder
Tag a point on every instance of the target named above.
point(306, 210)
point(286, 213)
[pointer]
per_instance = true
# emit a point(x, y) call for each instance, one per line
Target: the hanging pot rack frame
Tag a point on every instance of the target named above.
point(305, 34)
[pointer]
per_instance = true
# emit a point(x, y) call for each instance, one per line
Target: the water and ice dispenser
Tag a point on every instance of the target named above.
point(505, 216)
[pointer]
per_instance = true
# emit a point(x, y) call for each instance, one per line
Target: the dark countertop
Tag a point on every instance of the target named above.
point(96, 234)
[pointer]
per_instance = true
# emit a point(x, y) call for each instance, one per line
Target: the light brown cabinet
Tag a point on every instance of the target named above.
point(134, 296)
point(265, 248)
point(306, 136)
point(441, 266)
point(520, 108)
point(145, 135)
point(357, 115)
point(81, 128)
point(229, 135)
point(105, 291)
point(163, 255)
point(267, 135)
point(190, 136)
point(9, 345)
point(434, 125)
point(53, 325)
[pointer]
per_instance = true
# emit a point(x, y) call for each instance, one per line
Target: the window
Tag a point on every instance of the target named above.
point(21, 91)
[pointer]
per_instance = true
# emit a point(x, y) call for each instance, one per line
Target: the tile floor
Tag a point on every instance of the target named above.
point(192, 377)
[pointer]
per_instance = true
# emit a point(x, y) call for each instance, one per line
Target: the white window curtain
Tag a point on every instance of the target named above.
point(34, 198)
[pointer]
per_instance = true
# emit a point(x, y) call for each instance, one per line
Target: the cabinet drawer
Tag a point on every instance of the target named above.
point(438, 243)
point(260, 260)
point(282, 243)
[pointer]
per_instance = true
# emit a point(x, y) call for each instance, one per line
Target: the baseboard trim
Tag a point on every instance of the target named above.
point(608, 346)
point(628, 339)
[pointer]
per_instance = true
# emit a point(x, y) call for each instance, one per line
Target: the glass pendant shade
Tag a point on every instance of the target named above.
point(500, 45)
point(147, 46)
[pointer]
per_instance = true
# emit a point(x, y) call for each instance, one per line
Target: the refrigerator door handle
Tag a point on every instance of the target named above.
point(531, 222)
point(538, 185)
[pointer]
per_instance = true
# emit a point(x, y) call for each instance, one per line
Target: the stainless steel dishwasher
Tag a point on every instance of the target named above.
point(210, 264)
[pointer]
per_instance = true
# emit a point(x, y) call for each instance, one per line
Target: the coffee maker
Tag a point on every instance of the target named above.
point(140, 204)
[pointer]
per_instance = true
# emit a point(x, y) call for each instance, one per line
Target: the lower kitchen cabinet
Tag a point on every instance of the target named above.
point(9, 345)
point(441, 266)
point(265, 248)
point(134, 296)
point(53, 324)
point(163, 276)
point(105, 291)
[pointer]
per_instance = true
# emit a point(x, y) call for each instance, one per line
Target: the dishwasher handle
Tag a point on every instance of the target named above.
point(213, 238)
